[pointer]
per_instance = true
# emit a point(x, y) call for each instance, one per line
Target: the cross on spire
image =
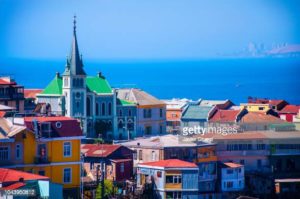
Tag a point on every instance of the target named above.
point(74, 24)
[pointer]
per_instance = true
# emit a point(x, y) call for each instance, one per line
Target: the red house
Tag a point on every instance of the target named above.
point(289, 112)
point(118, 161)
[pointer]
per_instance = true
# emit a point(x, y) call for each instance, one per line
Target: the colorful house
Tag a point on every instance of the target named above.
point(38, 186)
point(196, 115)
point(231, 177)
point(11, 94)
point(171, 178)
point(289, 113)
point(276, 105)
point(127, 120)
point(116, 159)
point(174, 110)
point(151, 112)
point(48, 146)
point(255, 107)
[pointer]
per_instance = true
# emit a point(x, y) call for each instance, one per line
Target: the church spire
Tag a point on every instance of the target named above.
point(74, 60)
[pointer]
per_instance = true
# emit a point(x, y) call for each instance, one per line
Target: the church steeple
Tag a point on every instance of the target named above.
point(74, 65)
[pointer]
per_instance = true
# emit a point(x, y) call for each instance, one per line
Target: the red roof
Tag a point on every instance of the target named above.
point(11, 175)
point(232, 165)
point(170, 163)
point(275, 102)
point(290, 109)
point(259, 117)
point(2, 113)
point(14, 186)
point(98, 150)
point(69, 126)
point(225, 116)
point(31, 93)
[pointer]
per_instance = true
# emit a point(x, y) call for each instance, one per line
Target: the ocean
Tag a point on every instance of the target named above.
point(234, 79)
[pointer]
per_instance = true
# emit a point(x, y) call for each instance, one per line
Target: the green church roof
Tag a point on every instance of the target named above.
point(54, 87)
point(98, 85)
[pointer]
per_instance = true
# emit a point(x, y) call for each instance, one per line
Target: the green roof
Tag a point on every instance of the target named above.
point(124, 102)
point(54, 88)
point(196, 112)
point(98, 85)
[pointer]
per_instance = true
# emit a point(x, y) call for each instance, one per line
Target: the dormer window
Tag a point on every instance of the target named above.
point(45, 129)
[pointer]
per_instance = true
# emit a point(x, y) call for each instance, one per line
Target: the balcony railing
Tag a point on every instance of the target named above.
point(244, 153)
point(41, 160)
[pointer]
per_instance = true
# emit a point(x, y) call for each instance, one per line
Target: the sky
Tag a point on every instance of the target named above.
point(140, 29)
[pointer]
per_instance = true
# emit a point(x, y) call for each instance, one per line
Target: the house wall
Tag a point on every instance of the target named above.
point(236, 178)
point(154, 122)
point(54, 101)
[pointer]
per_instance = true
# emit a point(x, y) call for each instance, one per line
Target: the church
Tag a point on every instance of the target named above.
point(114, 114)
point(90, 99)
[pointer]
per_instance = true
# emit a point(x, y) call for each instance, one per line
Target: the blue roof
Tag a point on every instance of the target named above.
point(196, 112)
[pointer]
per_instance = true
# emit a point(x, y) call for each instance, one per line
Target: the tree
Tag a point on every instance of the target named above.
point(108, 187)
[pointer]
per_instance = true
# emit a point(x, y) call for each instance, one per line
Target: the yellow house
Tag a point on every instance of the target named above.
point(251, 107)
point(48, 146)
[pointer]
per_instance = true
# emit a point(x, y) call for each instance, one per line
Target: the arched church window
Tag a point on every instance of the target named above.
point(109, 108)
point(88, 106)
point(97, 108)
point(103, 109)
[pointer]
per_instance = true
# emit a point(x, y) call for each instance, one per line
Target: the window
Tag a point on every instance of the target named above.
point(135, 154)
point(129, 113)
point(229, 184)
point(153, 156)
point(58, 124)
point(66, 82)
point(159, 174)
point(4, 153)
point(160, 129)
point(261, 108)
point(42, 173)
point(161, 112)
point(109, 108)
point(122, 167)
point(259, 164)
point(97, 109)
point(67, 149)
point(229, 171)
point(18, 152)
point(103, 109)
point(120, 113)
point(42, 151)
point(67, 175)
point(147, 113)
point(140, 155)
point(173, 195)
point(148, 130)
point(242, 162)
point(173, 179)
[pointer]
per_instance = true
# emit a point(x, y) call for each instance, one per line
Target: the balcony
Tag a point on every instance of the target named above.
point(286, 152)
point(41, 160)
point(243, 153)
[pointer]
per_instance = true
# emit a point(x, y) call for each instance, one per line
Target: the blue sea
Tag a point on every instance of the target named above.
point(235, 79)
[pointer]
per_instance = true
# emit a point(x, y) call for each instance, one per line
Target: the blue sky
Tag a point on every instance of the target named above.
point(169, 29)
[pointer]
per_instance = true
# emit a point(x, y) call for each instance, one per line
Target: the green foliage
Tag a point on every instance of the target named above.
point(108, 189)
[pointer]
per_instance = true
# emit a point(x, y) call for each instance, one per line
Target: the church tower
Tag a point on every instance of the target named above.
point(74, 83)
